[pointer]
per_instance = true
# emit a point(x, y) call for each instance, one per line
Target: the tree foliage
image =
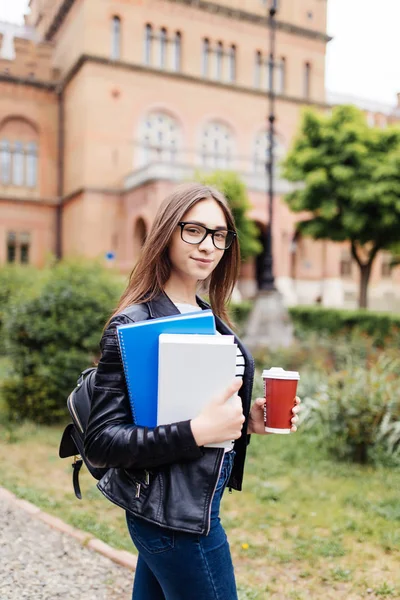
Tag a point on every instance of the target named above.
point(234, 190)
point(350, 175)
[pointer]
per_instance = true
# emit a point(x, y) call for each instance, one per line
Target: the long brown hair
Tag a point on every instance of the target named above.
point(153, 268)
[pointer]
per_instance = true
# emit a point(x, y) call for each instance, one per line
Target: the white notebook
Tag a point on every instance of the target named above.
point(192, 369)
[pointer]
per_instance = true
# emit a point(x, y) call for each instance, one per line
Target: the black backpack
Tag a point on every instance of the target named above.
point(72, 441)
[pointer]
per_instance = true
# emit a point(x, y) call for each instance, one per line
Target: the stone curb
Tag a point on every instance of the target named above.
point(121, 557)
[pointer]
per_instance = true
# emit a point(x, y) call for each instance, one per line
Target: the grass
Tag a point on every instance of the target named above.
point(304, 527)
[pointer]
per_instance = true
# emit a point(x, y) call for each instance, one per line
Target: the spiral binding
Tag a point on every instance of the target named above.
point(124, 360)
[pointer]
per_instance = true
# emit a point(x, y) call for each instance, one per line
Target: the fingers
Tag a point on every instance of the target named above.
point(297, 400)
point(230, 391)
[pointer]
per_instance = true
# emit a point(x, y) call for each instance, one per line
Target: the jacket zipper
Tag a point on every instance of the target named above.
point(213, 494)
point(72, 408)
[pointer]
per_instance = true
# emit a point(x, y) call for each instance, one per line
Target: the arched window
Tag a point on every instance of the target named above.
point(307, 80)
point(31, 164)
point(177, 51)
point(116, 38)
point(11, 246)
point(219, 54)
point(232, 64)
point(280, 69)
point(5, 159)
point(163, 48)
point(148, 39)
point(24, 247)
point(18, 170)
point(19, 152)
point(261, 151)
point(257, 70)
point(217, 145)
point(160, 139)
point(270, 72)
point(206, 57)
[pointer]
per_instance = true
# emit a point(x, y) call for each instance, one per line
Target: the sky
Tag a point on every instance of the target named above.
point(362, 59)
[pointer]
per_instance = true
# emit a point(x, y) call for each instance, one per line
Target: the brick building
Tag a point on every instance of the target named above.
point(105, 105)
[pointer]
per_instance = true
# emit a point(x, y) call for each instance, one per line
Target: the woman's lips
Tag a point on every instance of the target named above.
point(203, 261)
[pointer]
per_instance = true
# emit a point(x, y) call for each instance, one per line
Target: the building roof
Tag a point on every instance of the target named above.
point(364, 103)
point(9, 32)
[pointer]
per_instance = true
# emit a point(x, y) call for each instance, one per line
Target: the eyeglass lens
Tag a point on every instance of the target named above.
point(194, 234)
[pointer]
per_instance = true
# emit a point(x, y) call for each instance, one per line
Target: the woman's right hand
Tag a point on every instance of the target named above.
point(220, 420)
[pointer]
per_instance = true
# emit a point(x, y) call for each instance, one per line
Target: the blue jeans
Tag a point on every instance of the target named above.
point(174, 565)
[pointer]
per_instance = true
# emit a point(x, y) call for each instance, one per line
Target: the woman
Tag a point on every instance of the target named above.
point(169, 484)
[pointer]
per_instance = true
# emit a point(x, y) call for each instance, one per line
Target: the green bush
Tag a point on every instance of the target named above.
point(355, 412)
point(382, 328)
point(239, 312)
point(53, 335)
point(15, 280)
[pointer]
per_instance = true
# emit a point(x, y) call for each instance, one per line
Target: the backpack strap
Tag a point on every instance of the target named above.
point(76, 466)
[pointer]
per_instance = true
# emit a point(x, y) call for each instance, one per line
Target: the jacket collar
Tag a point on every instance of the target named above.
point(162, 306)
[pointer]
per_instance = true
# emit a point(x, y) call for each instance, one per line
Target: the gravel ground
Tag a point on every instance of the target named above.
point(39, 563)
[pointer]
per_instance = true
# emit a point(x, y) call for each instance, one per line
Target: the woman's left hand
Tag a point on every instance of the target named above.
point(256, 417)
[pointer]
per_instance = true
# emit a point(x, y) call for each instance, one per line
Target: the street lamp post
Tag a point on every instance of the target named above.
point(269, 324)
point(267, 280)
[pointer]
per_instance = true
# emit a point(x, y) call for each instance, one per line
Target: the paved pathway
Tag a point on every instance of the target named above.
point(39, 563)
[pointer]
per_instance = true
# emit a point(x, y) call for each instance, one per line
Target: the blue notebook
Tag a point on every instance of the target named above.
point(139, 350)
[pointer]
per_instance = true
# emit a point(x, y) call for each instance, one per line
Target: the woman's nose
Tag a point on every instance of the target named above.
point(207, 243)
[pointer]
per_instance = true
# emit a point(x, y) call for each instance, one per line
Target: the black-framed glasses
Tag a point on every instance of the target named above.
point(193, 233)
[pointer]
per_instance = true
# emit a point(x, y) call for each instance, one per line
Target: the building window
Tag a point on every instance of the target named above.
point(270, 3)
point(346, 264)
point(307, 81)
point(232, 64)
point(160, 139)
point(270, 72)
point(219, 54)
point(18, 163)
point(223, 64)
point(261, 151)
point(177, 51)
point(11, 247)
point(168, 50)
point(116, 38)
point(5, 158)
point(386, 268)
point(217, 145)
point(18, 171)
point(148, 39)
point(24, 247)
point(18, 247)
point(163, 48)
point(371, 119)
point(280, 68)
point(257, 70)
point(31, 164)
point(205, 57)
point(265, 69)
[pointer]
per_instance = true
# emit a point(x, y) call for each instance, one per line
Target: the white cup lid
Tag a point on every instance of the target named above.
point(279, 373)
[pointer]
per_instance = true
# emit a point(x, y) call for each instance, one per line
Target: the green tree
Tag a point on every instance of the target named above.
point(230, 184)
point(350, 176)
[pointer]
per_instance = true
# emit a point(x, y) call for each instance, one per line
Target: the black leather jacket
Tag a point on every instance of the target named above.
point(159, 474)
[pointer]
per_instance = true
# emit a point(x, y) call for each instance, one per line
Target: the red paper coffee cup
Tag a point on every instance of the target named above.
point(280, 389)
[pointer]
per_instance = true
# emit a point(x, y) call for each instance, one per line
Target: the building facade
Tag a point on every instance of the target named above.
point(106, 105)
